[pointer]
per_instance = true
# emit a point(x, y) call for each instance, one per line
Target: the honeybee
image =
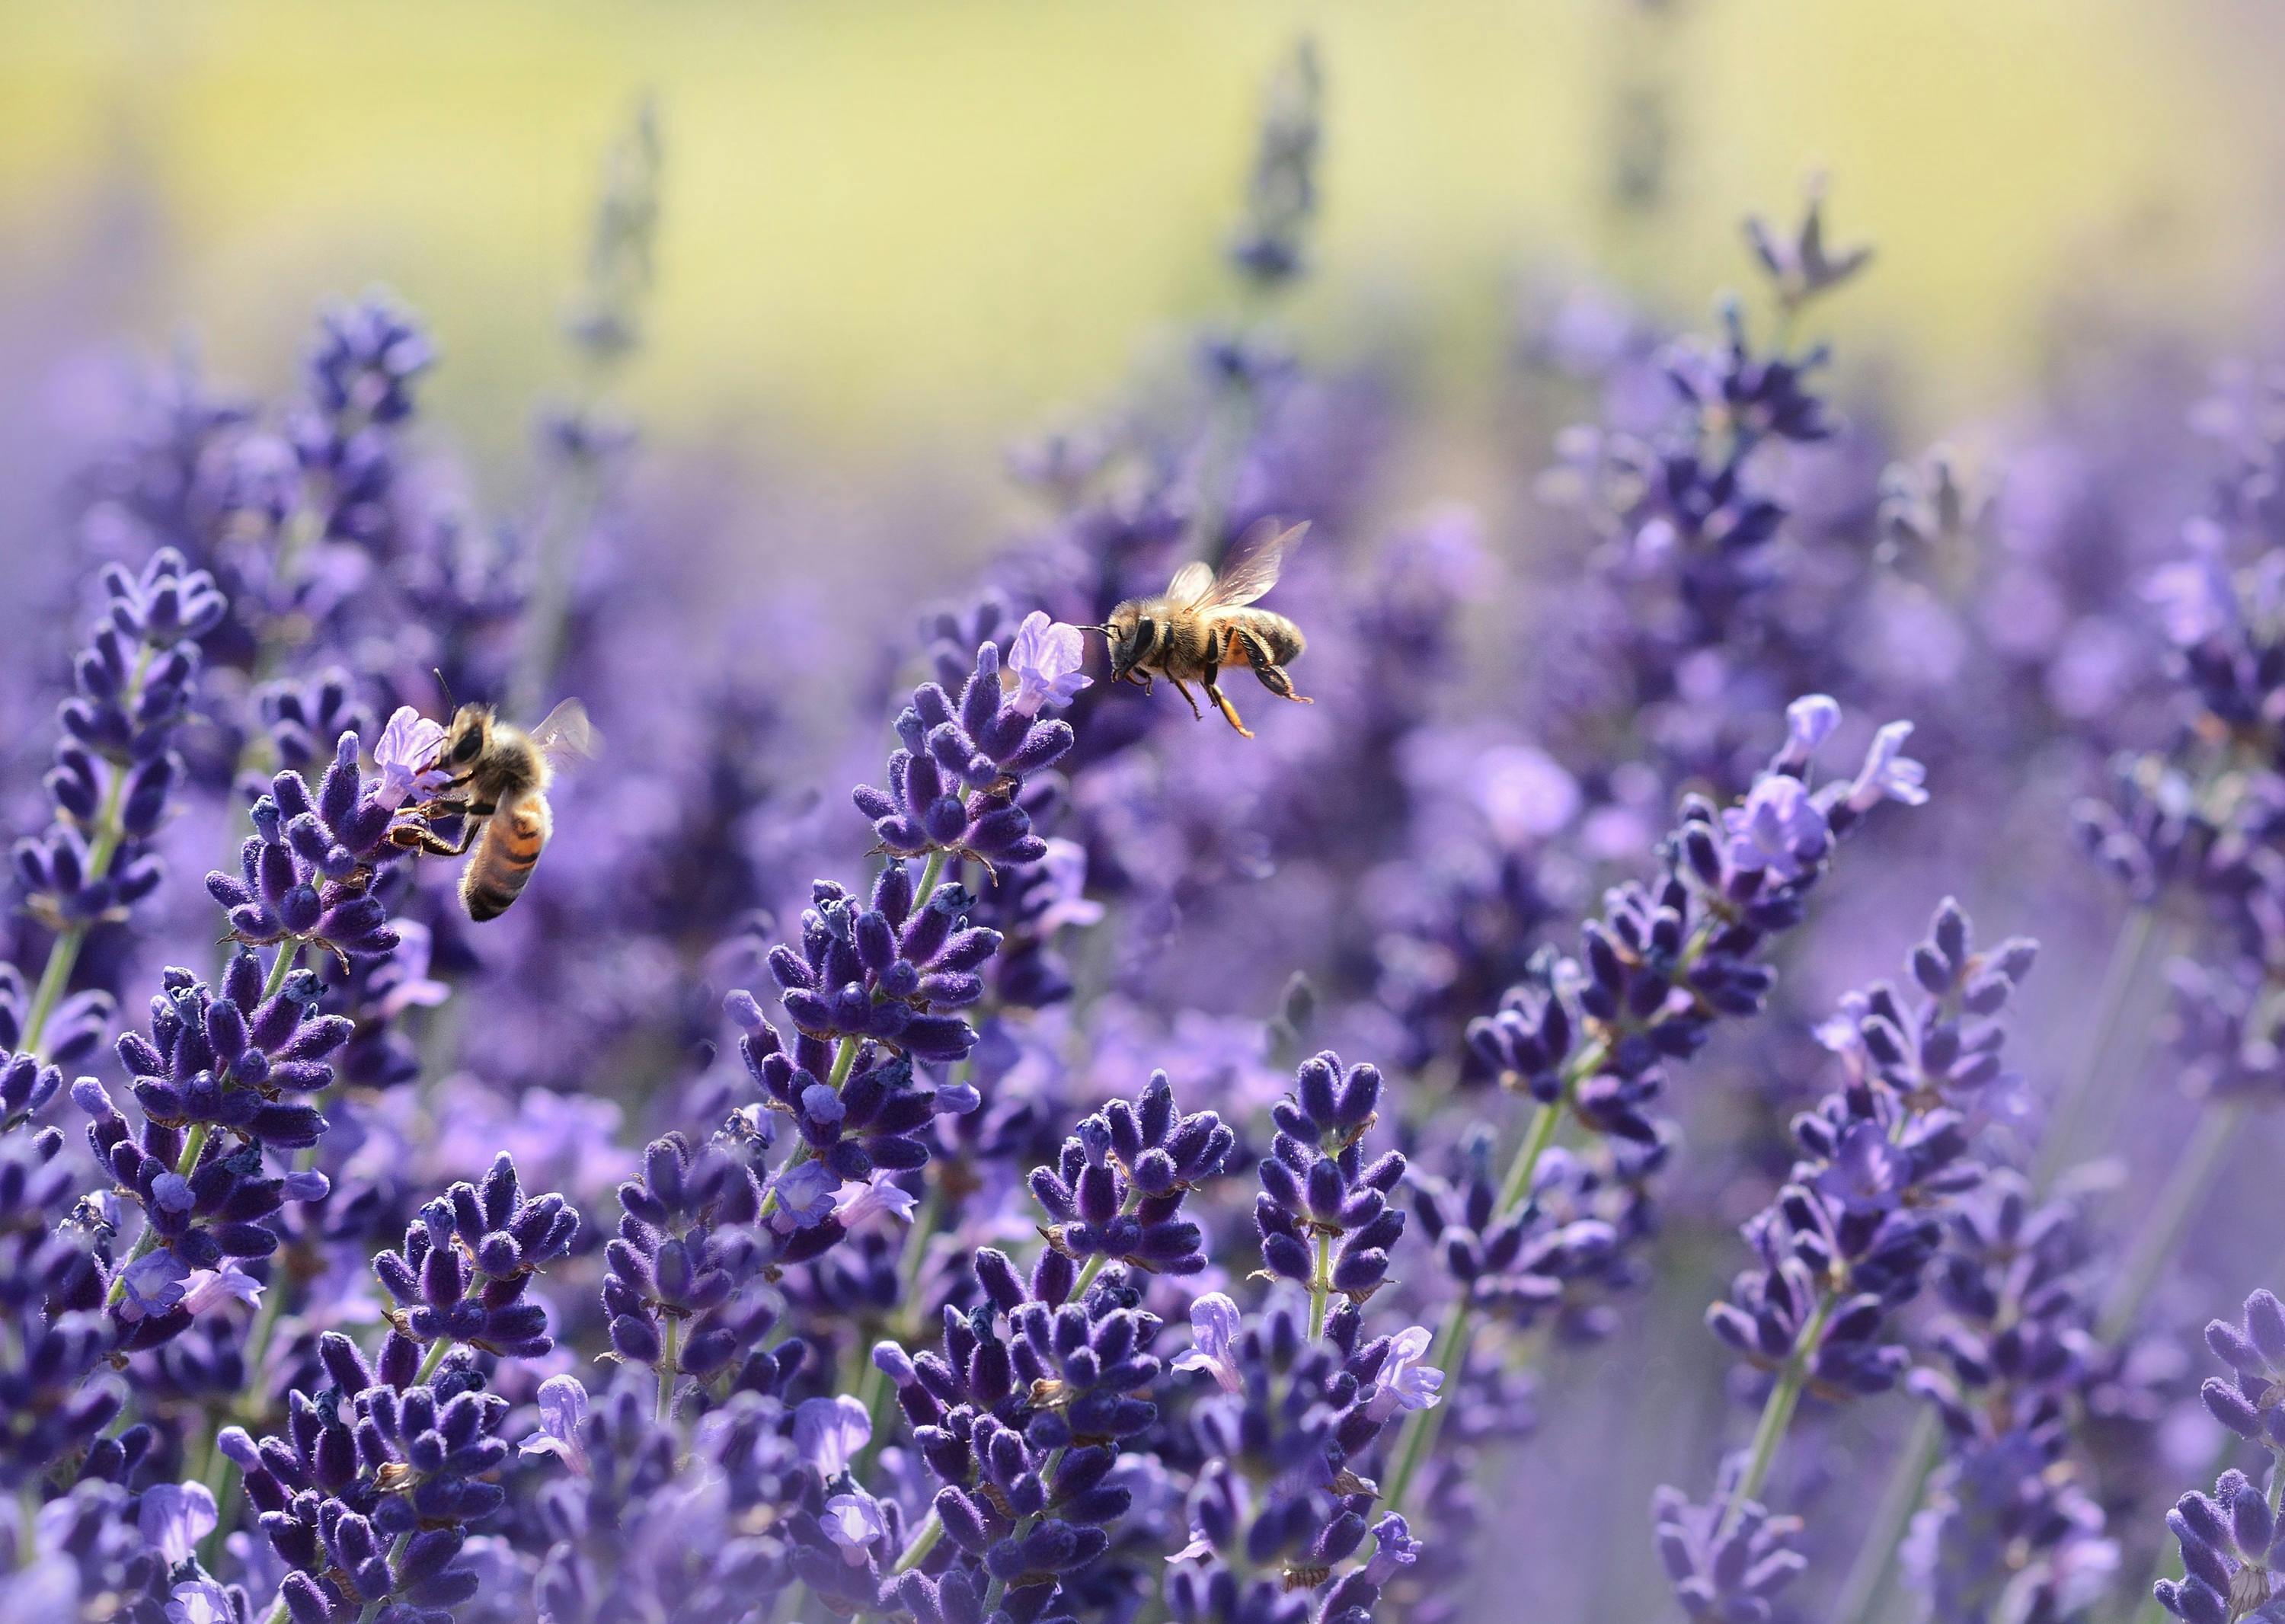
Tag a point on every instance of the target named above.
point(496, 784)
point(1201, 623)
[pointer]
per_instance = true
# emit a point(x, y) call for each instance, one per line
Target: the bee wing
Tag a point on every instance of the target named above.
point(566, 734)
point(1191, 584)
point(1254, 571)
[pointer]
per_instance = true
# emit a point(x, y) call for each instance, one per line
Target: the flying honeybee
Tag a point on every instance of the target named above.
point(497, 785)
point(1201, 623)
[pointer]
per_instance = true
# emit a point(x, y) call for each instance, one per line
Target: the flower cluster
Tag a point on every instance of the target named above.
point(953, 787)
point(367, 1495)
point(1853, 1232)
point(1117, 1186)
point(917, 1309)
point(1323, 1210)
point(306, 874)
point(681, 1271)
point(467, 1259)
point(116, 765)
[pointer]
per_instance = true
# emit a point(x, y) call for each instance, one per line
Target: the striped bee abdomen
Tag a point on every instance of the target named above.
point(504, 857)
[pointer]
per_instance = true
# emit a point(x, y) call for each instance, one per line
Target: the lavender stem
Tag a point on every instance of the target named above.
point(2127, 952)
point(110, 831)
point(1890, 1518)
point(2153, 1243)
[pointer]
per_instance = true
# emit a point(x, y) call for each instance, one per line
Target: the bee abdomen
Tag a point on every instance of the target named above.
point(504, 858)
point(1274, 635)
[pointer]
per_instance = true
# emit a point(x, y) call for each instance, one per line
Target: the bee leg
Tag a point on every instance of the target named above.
point(1222, 701)
point(1272, 674)
point(420, 837)
point(1183, 689)
point(417, 837)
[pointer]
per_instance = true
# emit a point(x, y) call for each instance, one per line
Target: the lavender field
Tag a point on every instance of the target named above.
point(630, 1000)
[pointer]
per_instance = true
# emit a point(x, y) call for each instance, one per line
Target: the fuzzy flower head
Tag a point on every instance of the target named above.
point(1042, 669)
point(405, 756)
point(2254, 1350)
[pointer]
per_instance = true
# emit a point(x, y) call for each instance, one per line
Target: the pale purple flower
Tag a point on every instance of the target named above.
point(805, 1194)
point(1888, 774)
point(1214, 1326)
point(562, 1403)
point(208, 1289)
point(1842, 1034)
point(1808, 725)
point(200, 1601)
point(1405, 1382)
point(1394, 1550)
point(403, 756)
point(1198, 1549)
point(1778, 828)
point(1064, 869)
point(829, 1433)
point(853, 1522)
point(409, 986)
point(153, 1282)
point(173, 1517)
point(1042, 667)
point(860, 1203)
point(1867, 1173)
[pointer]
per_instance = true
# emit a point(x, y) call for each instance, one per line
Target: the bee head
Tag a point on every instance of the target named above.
point(1122, 632)
point(464, 741)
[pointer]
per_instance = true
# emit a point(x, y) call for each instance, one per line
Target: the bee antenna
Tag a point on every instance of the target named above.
point(444, 687)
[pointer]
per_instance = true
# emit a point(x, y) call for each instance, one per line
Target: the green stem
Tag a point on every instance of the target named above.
point(2154, 1243)
point(872, 1383)
point(1536, 1140)
point(1449, 1351)
point(110, 833)
point(280, 967)
point(1890, 1518)
point(923, 1541)
point(2065, 1122)
point(666, 1371)
point(436, 1352)
point(193, 1146)
point(27, 1523)
point(930, 874)
point(1776, 1416)
point(1321, 1284)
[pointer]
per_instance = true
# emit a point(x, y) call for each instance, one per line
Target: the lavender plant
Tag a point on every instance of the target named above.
point(1155, 1176)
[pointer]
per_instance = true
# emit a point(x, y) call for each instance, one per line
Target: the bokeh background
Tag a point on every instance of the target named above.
point(895, 234)
point(894, 238)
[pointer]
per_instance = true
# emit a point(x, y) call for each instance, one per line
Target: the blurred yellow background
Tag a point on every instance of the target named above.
point(920, 226)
